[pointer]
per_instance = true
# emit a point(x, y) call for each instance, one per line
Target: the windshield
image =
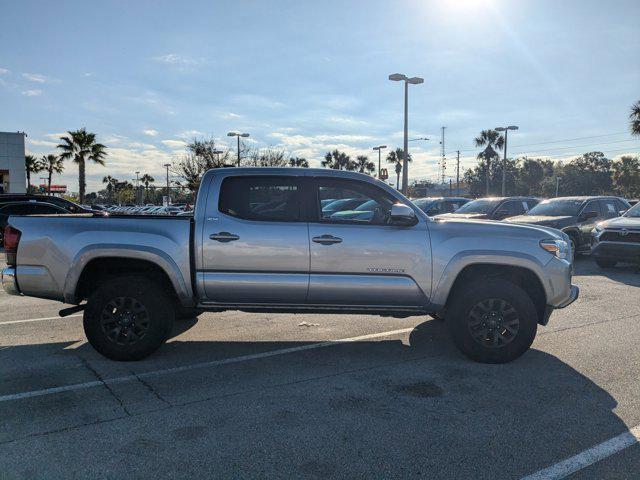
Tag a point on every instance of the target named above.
point(484, 205)
point(556, 208)
point(633, 212)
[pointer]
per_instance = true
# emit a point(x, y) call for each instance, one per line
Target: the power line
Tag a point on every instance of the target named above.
point(573, 146)
point(558, 141)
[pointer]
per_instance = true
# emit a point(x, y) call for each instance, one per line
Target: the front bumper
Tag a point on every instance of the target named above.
point(573, 296)
point(9, 281)
point(617, 250)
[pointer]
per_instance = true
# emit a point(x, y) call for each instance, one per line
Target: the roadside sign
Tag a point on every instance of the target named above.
point(383, 174)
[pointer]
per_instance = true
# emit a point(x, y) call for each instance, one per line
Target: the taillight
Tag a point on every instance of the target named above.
point(11, 240)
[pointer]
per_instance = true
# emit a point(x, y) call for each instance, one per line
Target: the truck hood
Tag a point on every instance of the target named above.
point(621, 222)
point(542, 220)
point(506, 229)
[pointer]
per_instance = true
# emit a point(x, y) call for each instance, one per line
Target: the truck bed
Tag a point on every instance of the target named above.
point(49, 244)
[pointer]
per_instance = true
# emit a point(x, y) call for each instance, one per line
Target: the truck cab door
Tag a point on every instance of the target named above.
point(255, 241)
point(359, 257)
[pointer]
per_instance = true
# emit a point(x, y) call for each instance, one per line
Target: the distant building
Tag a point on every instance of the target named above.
point(13, 178)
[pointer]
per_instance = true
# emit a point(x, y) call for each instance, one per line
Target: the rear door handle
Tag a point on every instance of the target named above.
point(224, 237)
point(326, 239)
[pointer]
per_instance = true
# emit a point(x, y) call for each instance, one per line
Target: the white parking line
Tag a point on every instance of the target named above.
point(214, 363)
point(39, 319)
point(588, 457)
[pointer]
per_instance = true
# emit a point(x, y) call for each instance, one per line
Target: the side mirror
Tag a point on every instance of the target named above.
point(621, 213)
point(401, 214)
point(587, 215)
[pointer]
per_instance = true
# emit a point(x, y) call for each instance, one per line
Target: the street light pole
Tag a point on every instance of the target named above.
point(137, 188)
point(504, 158)
point(238, 135)
point(397, 77)
point(167, 165)
point(379, 148)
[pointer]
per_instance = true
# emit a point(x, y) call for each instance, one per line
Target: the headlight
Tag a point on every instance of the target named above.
point(599, 227)
point(559, 248)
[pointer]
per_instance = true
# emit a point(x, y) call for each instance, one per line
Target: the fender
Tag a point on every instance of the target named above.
point(138, 252)
point(471, 257)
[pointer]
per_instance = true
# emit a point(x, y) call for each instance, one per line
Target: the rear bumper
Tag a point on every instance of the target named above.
point(9, 281)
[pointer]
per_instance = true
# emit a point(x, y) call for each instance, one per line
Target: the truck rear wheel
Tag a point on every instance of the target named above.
point(492, 321)
point(128, 318)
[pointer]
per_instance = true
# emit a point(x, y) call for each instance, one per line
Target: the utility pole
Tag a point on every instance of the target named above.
point(137, 188)
point(443, 164)
point(167, 165)
point(458, 174)
point(504, 158)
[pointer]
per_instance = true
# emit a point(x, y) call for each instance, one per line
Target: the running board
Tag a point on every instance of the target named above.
point(65, 312)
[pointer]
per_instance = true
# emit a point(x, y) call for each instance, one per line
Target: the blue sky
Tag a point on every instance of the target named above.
point(309, 76)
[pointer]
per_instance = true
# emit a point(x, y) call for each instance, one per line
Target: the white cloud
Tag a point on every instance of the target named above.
point(35, 77)
point(32, 93)
point(151, 132)
point(55, 136)
point(230, 115)
point(180, 62)
point(174, 144)
point(41, 143)
point(3, 71)
point(189, 134)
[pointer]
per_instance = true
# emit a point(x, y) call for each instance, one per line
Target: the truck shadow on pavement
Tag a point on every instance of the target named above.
point(626, 273)
point(362, 409)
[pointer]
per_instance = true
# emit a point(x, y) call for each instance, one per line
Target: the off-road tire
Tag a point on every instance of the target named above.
point(140, 300)
point(466, 302)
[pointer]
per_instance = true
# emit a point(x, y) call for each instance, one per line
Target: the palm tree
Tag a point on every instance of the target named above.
point(364, 165)
point(50, 164)
point(111, 185)
point(492, 140)
point(396, 157)
point(80, 146)
point(298, 162)
point(146, 180)
point(635, 118)
point(337, 160)
point(31, 165)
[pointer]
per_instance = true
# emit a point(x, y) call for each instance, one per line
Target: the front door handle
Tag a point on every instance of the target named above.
point(224, 237)
point(326, 239)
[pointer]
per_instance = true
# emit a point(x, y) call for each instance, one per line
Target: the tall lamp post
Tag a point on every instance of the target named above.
point(217, 153)
point(238, 135)
point(167, 165)
point(137, 188)
point(504, 159)
point(398, 77)
point(379, 148)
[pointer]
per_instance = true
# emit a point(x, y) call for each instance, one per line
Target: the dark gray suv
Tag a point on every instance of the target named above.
point(575, 216)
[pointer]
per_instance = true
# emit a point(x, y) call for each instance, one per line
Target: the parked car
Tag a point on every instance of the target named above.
point(492, 282)
point(618, 239)
point(575, 216)
point(438, 205)
point(67, 205)
point(496, 208)
point(8, 209)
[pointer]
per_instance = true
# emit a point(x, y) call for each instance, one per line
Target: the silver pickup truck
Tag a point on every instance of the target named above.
point(293, 240)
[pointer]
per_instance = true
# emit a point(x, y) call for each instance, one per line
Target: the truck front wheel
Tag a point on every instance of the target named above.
point(492, 321)
point(128, 318)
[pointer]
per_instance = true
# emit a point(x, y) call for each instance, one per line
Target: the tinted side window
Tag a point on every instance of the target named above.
point(261, 198)
point(592, 206)
point(452, 205)
point(353, 202)
point(436, 209)
point(512, 208)
point(609, 208)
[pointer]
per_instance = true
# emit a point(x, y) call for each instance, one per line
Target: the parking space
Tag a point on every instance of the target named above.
point(313, 396)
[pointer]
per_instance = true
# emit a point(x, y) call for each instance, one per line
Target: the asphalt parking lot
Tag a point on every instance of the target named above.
point(238, 395)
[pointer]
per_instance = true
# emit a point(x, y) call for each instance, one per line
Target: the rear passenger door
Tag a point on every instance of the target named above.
point(359, 258)
point(255, 244)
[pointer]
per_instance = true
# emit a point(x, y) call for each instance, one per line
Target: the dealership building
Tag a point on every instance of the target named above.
point(13, 178)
